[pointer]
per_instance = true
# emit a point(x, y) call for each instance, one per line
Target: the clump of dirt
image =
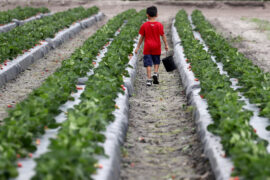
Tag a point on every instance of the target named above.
point(162, 142)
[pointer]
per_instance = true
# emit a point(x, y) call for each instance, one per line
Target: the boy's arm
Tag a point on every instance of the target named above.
point(139, 44)
point(165, 42)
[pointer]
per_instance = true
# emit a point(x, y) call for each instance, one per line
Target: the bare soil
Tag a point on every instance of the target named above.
point(162, 142)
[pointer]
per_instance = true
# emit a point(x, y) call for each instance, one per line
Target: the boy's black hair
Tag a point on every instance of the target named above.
point(152, 11)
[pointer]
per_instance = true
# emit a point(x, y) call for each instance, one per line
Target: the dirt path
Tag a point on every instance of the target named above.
point(162, 142)
point(18, 89)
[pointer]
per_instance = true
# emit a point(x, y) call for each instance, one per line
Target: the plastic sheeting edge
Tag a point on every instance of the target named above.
point(116, 131)
point(221, 166)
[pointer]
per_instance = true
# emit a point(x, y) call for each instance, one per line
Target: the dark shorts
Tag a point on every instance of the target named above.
point(149, 60)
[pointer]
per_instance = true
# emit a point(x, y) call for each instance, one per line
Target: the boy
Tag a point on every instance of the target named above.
point(150, 32)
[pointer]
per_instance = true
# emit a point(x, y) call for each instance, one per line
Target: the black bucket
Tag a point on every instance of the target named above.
point(168, 63)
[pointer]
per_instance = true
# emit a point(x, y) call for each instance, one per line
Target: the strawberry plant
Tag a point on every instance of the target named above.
point(73, 153)
point(22, 38)
point(28, 119)
point(255, 83)
point(20, 13)
point(231, 122)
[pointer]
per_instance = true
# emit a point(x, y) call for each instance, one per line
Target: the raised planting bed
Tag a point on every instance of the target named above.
point(229, 119)
point(28, 120)
point(10, 69)
point(80, 137)
point(15, 22)
point(27, 169)
point(20, 13)
point(253, 84)
point(31, 33)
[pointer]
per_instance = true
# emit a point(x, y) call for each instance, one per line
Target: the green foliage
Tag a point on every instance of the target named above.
point(81, 133)
point(256, 83)
point(231, 121)
point(20, 13)
point(22, 38)
point(27, 120)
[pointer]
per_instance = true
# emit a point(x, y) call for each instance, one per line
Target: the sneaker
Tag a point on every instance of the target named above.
point(155, 78)
point(149, 82)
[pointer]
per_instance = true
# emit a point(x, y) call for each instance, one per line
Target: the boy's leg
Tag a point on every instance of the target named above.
point(149, 80)
point(148, 70)
point(147, 61)
point(156, 67)
point(156, 60)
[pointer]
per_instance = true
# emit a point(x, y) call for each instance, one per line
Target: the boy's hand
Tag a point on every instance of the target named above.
point(166, 47)
point(136, 50)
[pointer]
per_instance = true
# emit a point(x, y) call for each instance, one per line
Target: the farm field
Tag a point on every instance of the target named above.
point(20, 14)
point(86, 97)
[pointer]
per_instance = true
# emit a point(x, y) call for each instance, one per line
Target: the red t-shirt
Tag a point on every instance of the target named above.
point(152, 32)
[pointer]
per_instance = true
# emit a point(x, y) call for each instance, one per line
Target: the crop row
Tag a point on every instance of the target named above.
point(80, 136)
point(22, 38)
point(31, 117)
point(231, 121)
point(255, 84)
point(20, 13)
